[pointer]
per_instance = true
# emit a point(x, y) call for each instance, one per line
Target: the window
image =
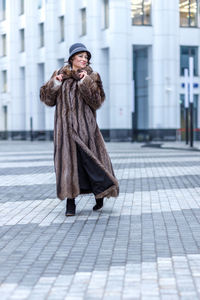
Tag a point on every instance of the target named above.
point(21, 9)
point(62, 28)
point(41, 34)
point(4, 81)
point(40, 4)
point(3, 9)
point(186, 52)
point(22, 44)
point(83, 21)
point(4, 51)
point(61, 62)
point(106, 13)
point(141, 12)
point(188, 13)
point(5, 112)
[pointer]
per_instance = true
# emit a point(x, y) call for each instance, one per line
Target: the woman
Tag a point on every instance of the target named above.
point(82, 164)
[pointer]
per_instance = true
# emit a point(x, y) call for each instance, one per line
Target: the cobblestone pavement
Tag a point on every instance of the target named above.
point(142, 245)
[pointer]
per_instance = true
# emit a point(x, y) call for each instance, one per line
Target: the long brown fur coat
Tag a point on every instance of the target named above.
point(75, 123)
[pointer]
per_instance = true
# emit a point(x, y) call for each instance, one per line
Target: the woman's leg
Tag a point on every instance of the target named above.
point(70, 207)
point(99, 204)
point(99, 181)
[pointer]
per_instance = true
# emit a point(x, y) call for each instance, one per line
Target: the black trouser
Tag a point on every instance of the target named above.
point(91, 177)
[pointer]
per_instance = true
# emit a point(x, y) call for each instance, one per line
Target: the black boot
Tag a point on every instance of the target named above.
point(99, 204)
point(70, 207)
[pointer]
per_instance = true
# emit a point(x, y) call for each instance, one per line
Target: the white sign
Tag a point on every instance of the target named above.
point(186, 78)
point(191, 78)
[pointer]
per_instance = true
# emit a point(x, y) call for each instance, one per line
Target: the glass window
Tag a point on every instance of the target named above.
point(41, 34)
point(4, 81)
point(62, 28)
point(3, 9)
point(188, 13)
point(22, 43)
point(83, 22)
point(40, 4)
point(5, 112)
point(141, 12)
point(61, 62)
point(186, 52)
point(21, 9)
point(106, 13)
point(4, 50)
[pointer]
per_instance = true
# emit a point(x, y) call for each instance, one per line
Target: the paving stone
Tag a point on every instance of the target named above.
point(142, 245)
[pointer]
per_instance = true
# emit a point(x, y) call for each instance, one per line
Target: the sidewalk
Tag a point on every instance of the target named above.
point(143, 245)
point(182, 145)
point(175, 145)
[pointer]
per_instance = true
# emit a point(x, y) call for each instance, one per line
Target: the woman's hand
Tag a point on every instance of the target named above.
point(82, 74)
point(59, 77)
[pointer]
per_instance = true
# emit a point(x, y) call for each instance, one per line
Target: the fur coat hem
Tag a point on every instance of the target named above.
point(112, 191)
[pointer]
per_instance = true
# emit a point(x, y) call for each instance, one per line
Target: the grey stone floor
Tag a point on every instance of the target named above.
point(143, 245)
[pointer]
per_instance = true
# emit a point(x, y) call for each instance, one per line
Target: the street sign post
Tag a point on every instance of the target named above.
point(186, 105)
point(191, 79)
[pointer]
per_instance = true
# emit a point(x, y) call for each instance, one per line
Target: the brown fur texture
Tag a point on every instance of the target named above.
point(75, 122)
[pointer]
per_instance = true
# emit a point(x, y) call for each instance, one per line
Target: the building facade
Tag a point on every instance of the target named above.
point(139, 47)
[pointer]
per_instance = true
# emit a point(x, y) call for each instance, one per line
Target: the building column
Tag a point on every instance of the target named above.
point(164, 107)
point(31, 46)
point(71, 24)
point(50, 53)
point(100, 57)
point(120, 73)
point(16, 105)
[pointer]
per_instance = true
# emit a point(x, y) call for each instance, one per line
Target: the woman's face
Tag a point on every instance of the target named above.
point(80, 60)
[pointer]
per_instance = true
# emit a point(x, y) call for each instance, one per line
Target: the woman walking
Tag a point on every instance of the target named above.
point(82, 164)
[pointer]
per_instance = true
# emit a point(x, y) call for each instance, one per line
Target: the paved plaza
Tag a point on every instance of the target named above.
point(143, 245)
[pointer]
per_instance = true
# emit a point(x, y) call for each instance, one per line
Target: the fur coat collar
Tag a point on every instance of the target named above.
point(68, 72)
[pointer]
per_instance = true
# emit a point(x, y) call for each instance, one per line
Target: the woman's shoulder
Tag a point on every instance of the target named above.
point(64, 70)
point(93, 74)
point(68, 73)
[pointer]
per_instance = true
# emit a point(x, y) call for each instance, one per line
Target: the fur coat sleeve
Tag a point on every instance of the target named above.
point(49, 91)
point(91, 90)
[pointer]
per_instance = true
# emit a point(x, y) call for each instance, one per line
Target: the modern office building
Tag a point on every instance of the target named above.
point(140, 48)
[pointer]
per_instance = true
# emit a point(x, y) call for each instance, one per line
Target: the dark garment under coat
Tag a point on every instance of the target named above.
point(91, 177)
